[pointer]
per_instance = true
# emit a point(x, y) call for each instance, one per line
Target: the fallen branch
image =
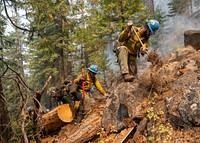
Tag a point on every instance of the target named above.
point(36, 115)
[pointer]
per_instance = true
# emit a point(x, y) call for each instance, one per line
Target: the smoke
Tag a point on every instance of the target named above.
point(162, 4)
point(171, 35)
point(169, 38)
point(112, 58)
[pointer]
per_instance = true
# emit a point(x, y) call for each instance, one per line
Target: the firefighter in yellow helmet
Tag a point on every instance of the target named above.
point(130, 46)
point(85, 83)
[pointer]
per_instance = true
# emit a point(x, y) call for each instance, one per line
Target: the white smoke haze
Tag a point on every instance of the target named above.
point(170, 38)
point(172, 34)
point(162, 4)
point(112, 58)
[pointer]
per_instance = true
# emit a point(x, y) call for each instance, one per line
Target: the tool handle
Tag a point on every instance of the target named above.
point(137, 36)
point(83, 90)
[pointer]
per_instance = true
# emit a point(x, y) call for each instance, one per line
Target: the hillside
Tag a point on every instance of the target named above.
point(161, 105)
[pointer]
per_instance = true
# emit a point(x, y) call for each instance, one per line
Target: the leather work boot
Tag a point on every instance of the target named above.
point(128, 77)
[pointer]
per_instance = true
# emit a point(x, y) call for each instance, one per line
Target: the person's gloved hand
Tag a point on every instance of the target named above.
point(144, 50)
point(82, 78)
point(106, 95)
point(129, 25)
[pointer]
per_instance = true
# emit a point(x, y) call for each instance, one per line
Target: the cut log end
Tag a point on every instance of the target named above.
point(65, 113)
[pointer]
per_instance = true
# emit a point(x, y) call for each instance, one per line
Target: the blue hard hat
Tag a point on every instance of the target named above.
point(153, 25)
point(93, 68)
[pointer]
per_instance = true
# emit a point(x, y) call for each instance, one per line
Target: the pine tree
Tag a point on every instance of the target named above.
point(5, 129)
point(179, 7)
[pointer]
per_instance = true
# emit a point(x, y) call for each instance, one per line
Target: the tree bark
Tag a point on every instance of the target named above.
point(61, 65)
point(150, 5)
point(51, 121)
point(87, 130)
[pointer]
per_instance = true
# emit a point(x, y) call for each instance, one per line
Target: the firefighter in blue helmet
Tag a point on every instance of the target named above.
point(85, 82)
point(133, 42)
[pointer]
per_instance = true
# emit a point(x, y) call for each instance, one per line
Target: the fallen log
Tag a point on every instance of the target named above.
point(87, 130)
point(57, 117)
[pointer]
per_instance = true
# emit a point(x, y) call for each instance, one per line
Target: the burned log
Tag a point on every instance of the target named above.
point(88, 129)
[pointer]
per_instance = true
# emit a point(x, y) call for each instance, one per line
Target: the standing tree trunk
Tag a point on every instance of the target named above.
point(20, 70)
point(150, 5)
point(5, 129)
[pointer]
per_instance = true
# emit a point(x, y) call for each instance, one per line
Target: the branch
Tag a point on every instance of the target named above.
point(5, 70)
point(15, 73)
point(13, 22)
point(36, 102)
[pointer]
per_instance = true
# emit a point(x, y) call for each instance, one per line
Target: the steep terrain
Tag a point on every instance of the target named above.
point(161, 105)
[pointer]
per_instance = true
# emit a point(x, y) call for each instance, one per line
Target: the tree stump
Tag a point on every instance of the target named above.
point(192, 37)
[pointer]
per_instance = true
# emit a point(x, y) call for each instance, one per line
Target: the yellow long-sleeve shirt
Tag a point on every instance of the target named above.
point(130, 40)
point(88, 83)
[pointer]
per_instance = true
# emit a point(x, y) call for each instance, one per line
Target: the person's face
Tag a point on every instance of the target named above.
point(145, 32)
point(92, 74)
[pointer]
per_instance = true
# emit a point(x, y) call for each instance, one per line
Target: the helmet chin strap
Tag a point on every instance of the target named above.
point(145, 32)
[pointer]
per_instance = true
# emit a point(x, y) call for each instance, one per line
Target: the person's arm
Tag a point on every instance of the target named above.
point(124, 35)
point(99, 87)
point(78, 79)
point(147, 44)
point(144, 49)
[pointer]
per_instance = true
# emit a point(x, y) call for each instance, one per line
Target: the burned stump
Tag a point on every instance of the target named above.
point(127, 101)
point(192, 37)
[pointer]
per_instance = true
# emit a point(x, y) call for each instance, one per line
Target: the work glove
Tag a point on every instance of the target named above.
point(129, 25)
point(106, 95)
point(143, 50)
